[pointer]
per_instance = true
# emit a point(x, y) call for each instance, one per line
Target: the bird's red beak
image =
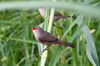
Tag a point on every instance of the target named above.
point(33, 28)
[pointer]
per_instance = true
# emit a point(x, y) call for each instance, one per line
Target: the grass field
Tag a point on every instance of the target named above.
point(18, 46)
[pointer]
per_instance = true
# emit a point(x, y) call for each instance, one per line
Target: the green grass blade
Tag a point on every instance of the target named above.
point(90, 47)
point(87, 10)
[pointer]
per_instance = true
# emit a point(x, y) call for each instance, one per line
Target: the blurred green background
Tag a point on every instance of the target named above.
point(18, 46)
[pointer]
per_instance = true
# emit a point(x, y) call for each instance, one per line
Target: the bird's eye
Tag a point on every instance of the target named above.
point(34, 29)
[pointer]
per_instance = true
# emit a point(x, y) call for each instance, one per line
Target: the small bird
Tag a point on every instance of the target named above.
point(47, 38)
point(57, 15)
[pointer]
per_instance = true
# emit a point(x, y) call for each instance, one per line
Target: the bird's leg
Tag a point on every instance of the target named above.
point(58, 26)
point(45, 49)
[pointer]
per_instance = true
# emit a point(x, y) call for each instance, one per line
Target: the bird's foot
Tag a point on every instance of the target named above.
point(45, 49)
point(58, 26)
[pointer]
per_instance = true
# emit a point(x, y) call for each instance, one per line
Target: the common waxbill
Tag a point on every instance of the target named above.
point(47, 38)
point(57, 15)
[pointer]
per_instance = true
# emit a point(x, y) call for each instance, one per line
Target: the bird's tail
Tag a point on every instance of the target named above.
point(66, 16)
point(65, 43)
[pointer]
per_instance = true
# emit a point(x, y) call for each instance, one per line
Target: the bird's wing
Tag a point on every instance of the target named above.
point(57, 14)
point(47, 37)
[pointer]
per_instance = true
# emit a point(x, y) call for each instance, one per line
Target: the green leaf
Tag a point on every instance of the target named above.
point(87, 10)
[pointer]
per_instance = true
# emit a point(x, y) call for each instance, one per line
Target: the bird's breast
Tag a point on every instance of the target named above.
point(38, 36)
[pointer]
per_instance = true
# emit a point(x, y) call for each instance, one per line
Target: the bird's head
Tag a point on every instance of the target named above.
point(37, 29)
point(34, 29)
point(40, 7)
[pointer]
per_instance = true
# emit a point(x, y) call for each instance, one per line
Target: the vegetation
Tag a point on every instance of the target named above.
point(18, 46)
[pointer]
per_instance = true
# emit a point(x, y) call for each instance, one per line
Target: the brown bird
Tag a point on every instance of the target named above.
point(57, 15)
point(47, 38)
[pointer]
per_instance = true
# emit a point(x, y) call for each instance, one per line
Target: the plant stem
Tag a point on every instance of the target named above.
point(44, 54)
point(51, 20)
